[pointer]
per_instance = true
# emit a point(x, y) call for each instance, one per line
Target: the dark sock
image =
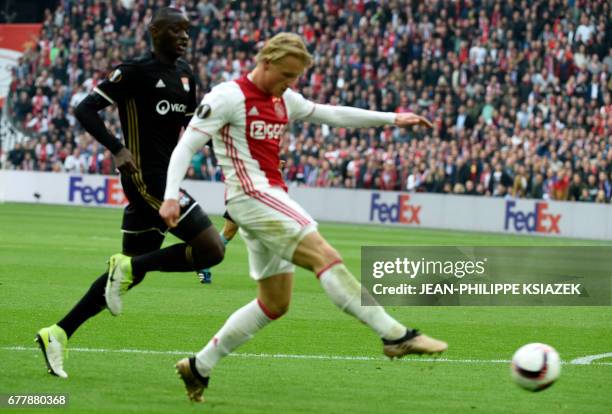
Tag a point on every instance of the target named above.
point(410, 333)
point(196, 373)
point(170, 259)
point(90, 305)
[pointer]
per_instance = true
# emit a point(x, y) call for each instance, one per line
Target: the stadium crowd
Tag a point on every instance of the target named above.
point(519, 91)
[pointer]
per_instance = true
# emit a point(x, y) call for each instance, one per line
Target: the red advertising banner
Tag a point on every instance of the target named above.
point(19, 37)
point(14, 40)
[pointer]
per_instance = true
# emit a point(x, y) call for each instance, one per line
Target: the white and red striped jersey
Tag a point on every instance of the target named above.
point(246, 125)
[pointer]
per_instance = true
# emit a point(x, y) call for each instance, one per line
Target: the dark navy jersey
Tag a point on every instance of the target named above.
point(155, 100)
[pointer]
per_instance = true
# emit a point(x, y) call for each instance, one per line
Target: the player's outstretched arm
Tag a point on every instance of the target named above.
point(87, 114)
point(192, 140)
point(346, 116)
point(406, 119)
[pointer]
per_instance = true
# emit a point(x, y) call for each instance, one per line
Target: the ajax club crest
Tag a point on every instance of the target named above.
point(279, 109)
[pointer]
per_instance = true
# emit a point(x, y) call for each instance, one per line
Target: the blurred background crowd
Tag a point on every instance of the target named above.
point(519, 91)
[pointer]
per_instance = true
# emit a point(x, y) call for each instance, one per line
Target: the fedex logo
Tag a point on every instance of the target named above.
point(538, 220)
point(110, 192)
point(399, 212)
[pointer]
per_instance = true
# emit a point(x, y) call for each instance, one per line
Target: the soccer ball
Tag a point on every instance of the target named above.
point(535, 366)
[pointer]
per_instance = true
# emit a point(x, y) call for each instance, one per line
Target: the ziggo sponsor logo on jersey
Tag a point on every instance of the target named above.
point(399, 212)
point(263, 130)
point(110, 192)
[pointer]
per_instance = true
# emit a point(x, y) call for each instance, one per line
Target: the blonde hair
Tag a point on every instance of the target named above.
point(284, 44)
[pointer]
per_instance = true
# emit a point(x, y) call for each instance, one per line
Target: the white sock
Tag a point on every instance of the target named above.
point(239, 328)
point(345, 291)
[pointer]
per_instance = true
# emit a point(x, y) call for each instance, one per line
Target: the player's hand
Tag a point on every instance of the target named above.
point(124, 161)
point(406, 119)
point(170, 212)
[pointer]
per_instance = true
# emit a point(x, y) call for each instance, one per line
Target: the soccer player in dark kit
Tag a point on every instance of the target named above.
point(155, 96)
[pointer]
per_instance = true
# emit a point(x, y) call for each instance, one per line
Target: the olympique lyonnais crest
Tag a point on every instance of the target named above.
point(185, 81)
point(183, 199)
point(279, 109)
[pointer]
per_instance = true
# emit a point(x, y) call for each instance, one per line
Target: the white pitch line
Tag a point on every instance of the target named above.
point(578, 361)
point(586, 360)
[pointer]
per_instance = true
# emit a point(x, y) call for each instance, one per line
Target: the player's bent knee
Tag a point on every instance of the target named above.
point(209, 256)
point(329, 255)
point(283, 308)
point(274, 308)
point(277, 309)
point(327, 252)
point(217, 253)
point(332, 255)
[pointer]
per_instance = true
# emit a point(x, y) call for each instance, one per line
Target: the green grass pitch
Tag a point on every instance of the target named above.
point(49, 255)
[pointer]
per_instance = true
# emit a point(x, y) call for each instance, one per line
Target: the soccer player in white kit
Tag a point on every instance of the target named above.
point(246, 119)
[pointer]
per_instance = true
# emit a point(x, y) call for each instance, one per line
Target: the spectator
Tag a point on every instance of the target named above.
point(605, 185)
point(459, 188)
point(576, 187)
point(561, 186)
point(585, 196)
point(469, 188)
point(16, 157)
point(28, 163)
point(22, 106)
point(74, 162)
point(325, 175)
point(591, 187)
point(388, 176)
point(585, 31)
point(107, 165)
point(537, 187)
point(519, 188)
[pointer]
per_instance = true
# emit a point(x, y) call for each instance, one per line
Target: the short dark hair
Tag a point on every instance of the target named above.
point(162, 15)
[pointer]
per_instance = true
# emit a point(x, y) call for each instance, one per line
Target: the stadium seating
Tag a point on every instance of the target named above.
point(519, 92)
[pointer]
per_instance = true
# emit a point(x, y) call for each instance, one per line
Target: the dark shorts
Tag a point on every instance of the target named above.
point(143, 228)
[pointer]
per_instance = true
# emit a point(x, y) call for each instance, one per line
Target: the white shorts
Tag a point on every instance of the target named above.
point(272, 225)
